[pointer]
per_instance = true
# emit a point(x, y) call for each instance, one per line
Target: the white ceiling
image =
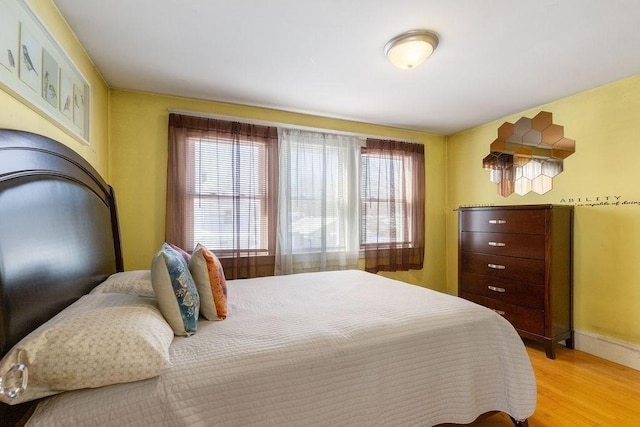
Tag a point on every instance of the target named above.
point(325, 57)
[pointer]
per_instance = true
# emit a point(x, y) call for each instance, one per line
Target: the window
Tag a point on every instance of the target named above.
point(318, 202)
point(222, 187)
point(392, 205)
point(229, 195)
point(383, 203)
point(311, 210)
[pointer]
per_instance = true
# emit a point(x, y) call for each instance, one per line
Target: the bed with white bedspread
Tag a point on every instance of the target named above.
point(334, 348)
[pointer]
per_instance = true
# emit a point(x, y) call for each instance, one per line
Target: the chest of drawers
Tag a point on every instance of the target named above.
point(517, 260)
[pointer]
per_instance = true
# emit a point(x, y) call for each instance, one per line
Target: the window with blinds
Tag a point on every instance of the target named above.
point(392, 205)
point(228, 191)
point(384, 217)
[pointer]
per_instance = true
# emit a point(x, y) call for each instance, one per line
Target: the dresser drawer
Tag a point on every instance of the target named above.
point(503, 244)
point(523, 318)
point(509, 268)
point(504, 221)
point(518, 293)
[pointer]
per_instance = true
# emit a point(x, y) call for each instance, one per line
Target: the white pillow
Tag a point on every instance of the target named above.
point(99, 340)
point(134, 282)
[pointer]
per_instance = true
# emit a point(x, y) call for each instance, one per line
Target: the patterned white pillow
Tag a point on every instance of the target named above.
point(99, 340)
point(134, 282)
point(175, 290)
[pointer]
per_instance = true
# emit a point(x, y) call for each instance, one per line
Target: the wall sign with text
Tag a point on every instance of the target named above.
point(602, 200)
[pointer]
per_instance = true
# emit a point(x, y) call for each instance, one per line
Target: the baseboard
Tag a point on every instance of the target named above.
point(617, 351)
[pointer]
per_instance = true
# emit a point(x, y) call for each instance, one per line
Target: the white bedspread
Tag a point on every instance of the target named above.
point(324, 349)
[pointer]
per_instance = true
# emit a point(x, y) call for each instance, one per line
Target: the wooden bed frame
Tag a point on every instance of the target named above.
point(59, 237)
point(59, 234)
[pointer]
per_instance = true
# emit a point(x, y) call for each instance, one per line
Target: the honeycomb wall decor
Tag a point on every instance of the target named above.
point(527, 155)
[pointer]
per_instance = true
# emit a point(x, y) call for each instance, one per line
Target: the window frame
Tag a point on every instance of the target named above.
point(406, 202)
point(194, 195)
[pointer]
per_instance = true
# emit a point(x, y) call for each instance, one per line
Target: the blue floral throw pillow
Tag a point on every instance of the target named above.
point(175, 291)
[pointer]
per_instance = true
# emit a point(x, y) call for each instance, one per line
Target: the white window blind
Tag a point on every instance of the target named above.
point(384, 199)
point(229, 195)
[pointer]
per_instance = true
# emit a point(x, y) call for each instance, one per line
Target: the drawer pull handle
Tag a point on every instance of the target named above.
point(496, 289)
point(497, 244)
point(497, 221)
point(500, 312)
point(496, 266)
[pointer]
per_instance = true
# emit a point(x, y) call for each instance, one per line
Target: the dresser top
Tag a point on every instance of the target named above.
point(516, 207)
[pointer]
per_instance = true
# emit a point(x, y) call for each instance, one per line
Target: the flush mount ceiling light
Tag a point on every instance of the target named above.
point(410, 49)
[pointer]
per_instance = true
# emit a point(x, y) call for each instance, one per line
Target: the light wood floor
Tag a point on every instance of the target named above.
point(578, 389)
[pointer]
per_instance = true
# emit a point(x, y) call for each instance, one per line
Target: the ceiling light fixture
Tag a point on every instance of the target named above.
point(410, 49)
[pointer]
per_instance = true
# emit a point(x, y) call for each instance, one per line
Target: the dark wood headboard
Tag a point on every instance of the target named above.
point(59, 234)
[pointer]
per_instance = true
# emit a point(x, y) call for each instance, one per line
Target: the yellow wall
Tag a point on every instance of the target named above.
point(139, 133)
point(16, 115)
point(605, 123)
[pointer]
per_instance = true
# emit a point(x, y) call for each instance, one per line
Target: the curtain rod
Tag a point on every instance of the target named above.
point(280, 124)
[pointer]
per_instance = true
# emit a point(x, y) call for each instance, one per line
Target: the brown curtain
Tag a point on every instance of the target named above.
point(185, 190)
point(392, 210)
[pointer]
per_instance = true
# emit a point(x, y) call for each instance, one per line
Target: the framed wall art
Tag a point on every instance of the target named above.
point(36, 70)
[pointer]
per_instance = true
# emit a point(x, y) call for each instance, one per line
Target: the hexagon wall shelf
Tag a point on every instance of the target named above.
point(527, 155)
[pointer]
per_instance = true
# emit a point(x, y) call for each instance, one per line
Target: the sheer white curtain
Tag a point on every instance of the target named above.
point(318, 202)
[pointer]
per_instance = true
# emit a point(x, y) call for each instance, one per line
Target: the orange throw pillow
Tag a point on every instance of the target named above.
point(209, 277)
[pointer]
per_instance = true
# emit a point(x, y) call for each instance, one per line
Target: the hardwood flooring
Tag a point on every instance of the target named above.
point(578, 389)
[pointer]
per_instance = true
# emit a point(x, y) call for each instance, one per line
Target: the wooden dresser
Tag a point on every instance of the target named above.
point(517, 260)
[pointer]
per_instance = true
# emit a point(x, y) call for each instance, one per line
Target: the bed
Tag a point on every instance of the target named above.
point(330, 348)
